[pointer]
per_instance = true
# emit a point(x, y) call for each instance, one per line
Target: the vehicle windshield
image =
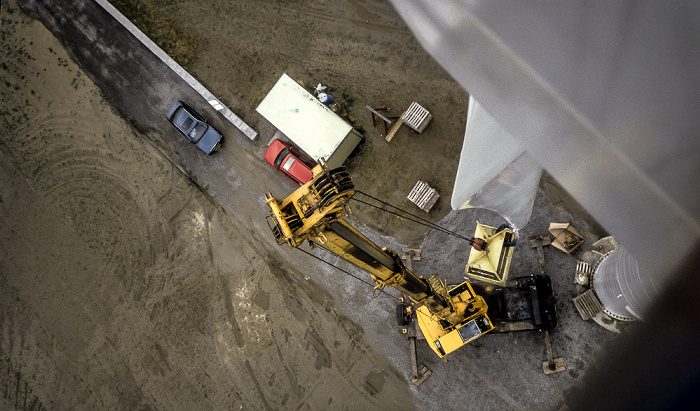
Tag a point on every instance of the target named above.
point(288, 164)
point(281, 156)
point(187, 123)
point(197, 132)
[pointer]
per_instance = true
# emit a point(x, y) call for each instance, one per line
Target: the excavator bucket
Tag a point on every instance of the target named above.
point(492, 264)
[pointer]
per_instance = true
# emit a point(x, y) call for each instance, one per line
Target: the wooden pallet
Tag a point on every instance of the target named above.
point(416, 117)
point(423, 196)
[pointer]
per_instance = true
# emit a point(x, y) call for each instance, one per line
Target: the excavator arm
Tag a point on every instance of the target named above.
point(316, 213)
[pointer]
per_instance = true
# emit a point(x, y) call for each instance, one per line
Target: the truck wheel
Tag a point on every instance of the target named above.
point(401, 318)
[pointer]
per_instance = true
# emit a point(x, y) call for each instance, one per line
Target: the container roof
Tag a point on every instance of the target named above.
point(301, 117)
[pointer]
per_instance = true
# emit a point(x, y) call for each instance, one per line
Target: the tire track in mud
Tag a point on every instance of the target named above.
point(16, 390)
point(316, 346)
point(80, 157)
point(89, 187)
point(134, 210)
point(76, 161)
point(261, 393)
point(230, 313)
point(296, 389)
point(19, 387)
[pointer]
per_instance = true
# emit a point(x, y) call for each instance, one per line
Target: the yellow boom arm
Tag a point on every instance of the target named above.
point(315, 212)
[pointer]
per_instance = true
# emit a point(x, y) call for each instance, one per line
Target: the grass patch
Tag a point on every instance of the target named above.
point(161, 30)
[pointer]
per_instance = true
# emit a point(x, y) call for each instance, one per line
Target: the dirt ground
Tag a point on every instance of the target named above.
point(131, 279)
point(118, 289)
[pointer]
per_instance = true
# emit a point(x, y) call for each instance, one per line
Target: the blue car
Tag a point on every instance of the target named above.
point(194, 127)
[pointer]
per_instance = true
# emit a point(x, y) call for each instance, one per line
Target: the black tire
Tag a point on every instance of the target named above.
point(401, 318)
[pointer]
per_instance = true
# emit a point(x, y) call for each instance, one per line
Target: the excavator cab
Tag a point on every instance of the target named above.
point(444, 337)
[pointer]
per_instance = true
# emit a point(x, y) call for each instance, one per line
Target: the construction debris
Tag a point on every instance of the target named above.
point(566, 238)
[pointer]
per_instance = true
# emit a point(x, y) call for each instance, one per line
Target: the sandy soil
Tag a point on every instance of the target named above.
point(118, 287)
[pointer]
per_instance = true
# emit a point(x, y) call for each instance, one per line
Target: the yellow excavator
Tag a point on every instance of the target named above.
point(448, 318)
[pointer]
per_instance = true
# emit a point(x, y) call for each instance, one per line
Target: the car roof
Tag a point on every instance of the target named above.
point(273, 150)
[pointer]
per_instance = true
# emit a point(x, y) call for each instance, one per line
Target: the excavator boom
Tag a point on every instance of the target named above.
point(316, 213)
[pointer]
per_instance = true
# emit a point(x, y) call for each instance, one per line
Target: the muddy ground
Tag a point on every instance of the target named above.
point(136, 273)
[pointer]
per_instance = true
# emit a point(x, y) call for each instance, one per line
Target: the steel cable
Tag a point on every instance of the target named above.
point(415, 219)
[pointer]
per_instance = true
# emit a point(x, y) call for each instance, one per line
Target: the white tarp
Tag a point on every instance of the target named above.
point(504, 180)
point(305, 120)
point(604, 95)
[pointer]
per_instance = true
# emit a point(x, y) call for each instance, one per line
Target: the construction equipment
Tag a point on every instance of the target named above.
point(448, 317)
point(410, 254)
point(523, 303)
point(491, 264)
point(404, 316)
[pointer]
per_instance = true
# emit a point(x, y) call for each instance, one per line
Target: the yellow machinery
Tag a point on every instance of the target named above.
point(491, 265)
point(315, 212)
